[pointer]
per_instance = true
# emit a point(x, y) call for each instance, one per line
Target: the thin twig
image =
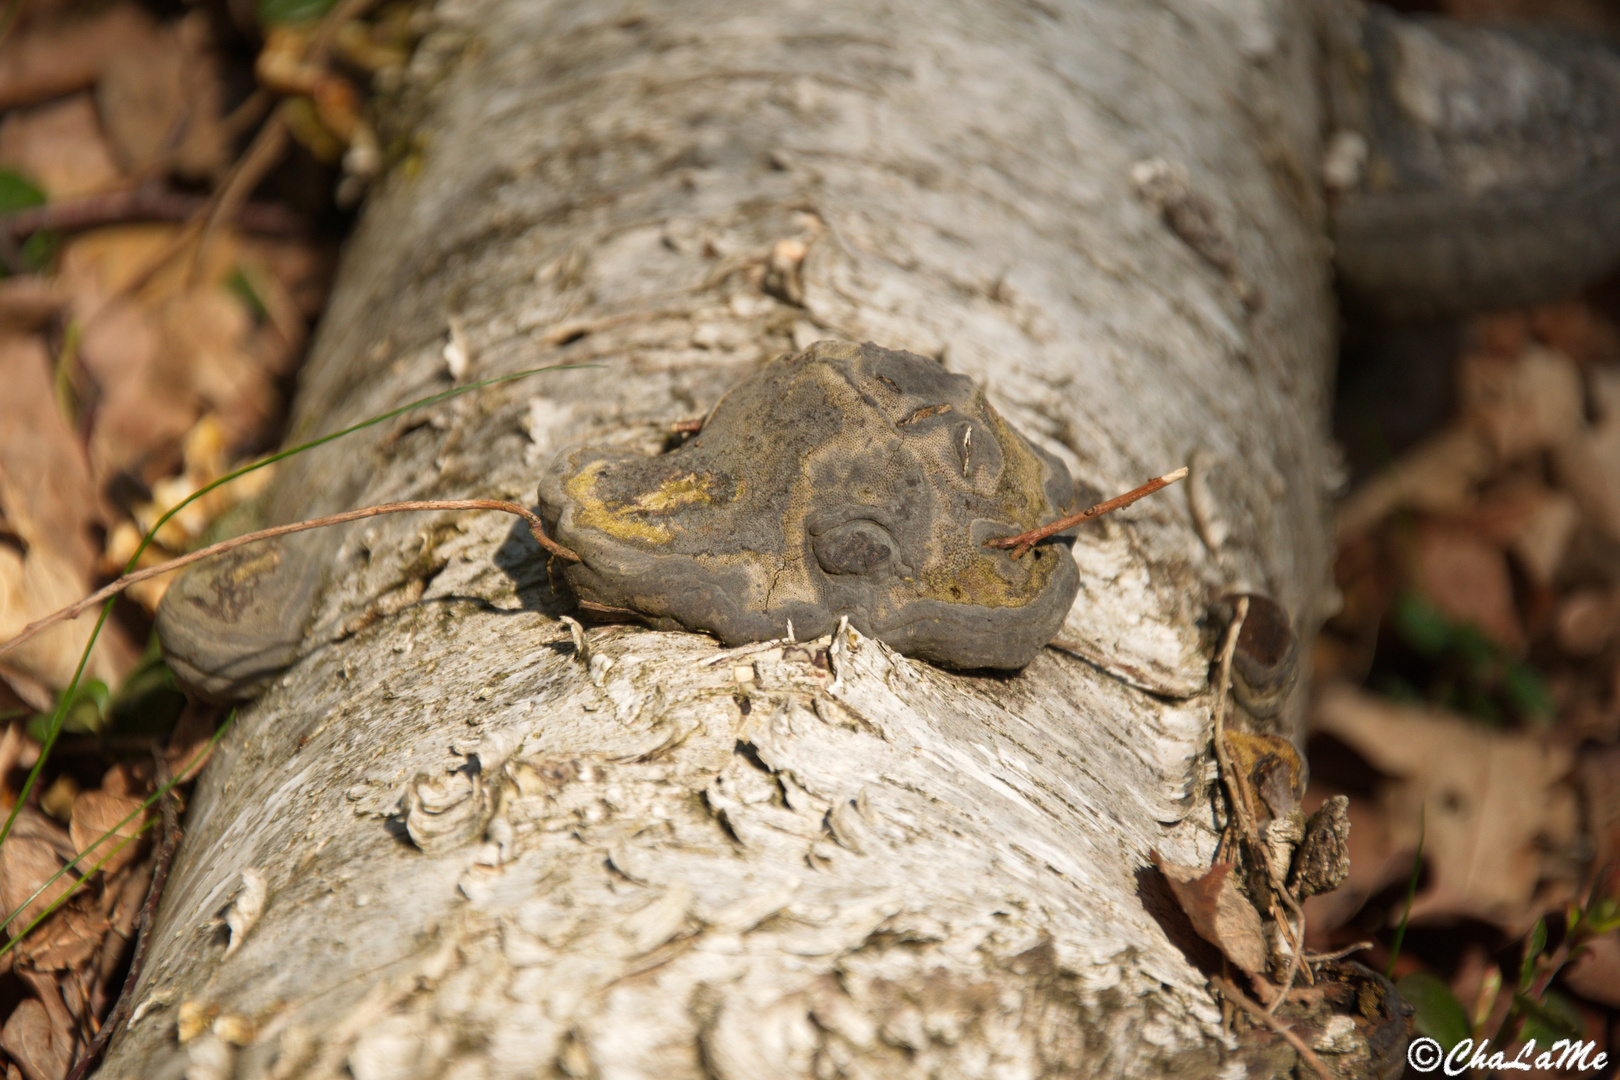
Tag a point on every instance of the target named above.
point(160, 876)
point(1239, 998)
point(536, 528)
point(1340, 954)
point(1295, 947)
point(1223, 686)
point(320, 43)
point(1024, 541)
point(146, 203)
point(262, 154)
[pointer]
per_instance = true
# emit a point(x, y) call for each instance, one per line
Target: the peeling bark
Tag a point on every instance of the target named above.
point(486, 851)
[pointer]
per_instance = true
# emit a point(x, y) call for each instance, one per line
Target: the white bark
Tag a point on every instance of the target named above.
point(635, 864)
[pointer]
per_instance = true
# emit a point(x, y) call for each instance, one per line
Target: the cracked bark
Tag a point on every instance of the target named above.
point(489, 853)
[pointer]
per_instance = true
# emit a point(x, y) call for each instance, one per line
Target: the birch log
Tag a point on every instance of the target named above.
point(489, 848)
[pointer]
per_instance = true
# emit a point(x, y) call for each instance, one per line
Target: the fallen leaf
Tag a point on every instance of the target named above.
point(29, 1037)
point(1466, 577)
point(1589, 467)
point(1586, 621)
point(1219, 911)
point(60, 147)
point(64, 941)
point(140, 418)
point(1497, 808)
point(52, 505)
point(1542, 535)
point(1437, 475)
point(55, 60)
point(206, 335)
point(160, 104)
point(1523, 404)
point(94, 814)
point(28, 302)
point(128, 891)
point(26, 863)
point(126, 780)
point(185, 753)
point(164, 356)
point(1578, 329)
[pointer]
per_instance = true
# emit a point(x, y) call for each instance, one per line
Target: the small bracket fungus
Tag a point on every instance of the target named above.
point(845, 480)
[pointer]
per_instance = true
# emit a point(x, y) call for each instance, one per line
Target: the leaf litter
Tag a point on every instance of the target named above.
point(1479, 568)
point(146, 350)
point(1470, 680)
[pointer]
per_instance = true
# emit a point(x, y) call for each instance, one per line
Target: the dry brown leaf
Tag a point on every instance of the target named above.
point(1586, 621)
point(1575, 326)
point(94, 813)
point(1497, 807)
point(1533, 522)
point(51, 503)
point(302, 268)
point(1219, 911)
point(17, 750)
point(33, 1043)
point(1541, 537)
point(1593, 709)
point(160, 358)
point(139, 418)
point(161, 104)
point(57, 799)
point(26, 863)
point(95, 265)
point(1437, 475)
point(1589, 467)
point(50, 61)
point(128, 892)
point(188, 740)
point(28, 302)
point(206, 335)
point(64, 941)
point(1524, 404)
point(1467, 578)
point(59, 147)
point(126, 781)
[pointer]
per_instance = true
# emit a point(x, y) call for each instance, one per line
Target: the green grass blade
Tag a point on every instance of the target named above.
point(151, 800)
point(77, 885)
point(1411, 891)
point(60, 713)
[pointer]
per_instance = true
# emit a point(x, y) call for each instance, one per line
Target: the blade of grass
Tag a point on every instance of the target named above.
point(1411, 891)
point(77, 885)
point(60, 713)
point(151, 800)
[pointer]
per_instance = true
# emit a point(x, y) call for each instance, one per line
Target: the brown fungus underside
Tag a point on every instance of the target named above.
point(845, 480)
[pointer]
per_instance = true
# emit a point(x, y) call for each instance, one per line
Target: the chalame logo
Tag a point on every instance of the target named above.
point(1425, 1055)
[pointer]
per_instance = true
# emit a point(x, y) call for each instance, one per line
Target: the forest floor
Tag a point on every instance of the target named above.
point(173, 187)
